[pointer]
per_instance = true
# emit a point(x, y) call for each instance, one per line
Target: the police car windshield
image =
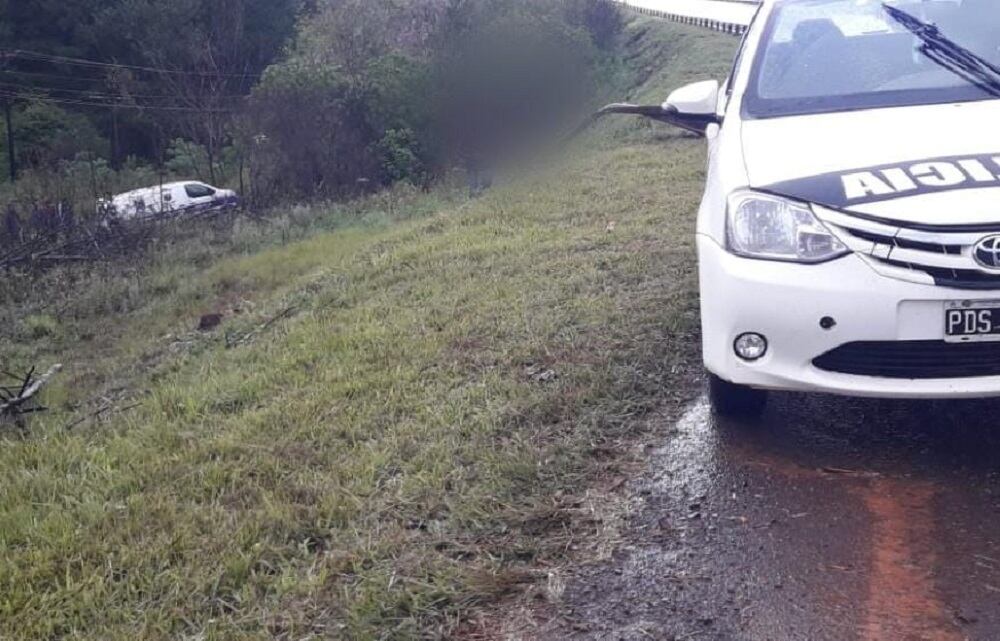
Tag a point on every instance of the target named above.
point(836, 55)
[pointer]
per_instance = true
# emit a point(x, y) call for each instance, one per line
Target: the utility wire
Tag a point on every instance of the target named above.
point(86, 103)
point(10, 86)
point(58, 76)
point(83, 62)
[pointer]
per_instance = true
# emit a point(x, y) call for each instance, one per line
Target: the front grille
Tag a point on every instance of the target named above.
point(903, 243)
point(935, 255)
point(956, 278)
point(913, 359)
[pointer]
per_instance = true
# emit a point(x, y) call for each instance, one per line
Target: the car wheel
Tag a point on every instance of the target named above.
point(737, 401)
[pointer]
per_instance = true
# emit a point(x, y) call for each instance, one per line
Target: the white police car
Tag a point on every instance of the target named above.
point(849, 235)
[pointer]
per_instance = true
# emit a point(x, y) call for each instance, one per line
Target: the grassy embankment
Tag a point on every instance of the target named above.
point(405, 446)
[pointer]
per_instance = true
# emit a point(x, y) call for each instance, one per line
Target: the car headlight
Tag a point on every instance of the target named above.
point(774, 228)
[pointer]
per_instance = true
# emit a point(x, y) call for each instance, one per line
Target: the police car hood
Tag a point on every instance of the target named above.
point(936, 164)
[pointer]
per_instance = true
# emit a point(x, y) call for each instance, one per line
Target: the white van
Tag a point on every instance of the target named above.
point(169, 198)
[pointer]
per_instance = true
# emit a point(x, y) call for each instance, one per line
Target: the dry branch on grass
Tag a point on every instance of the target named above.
point(248, 337)
point(104, 410)
point(19, 400)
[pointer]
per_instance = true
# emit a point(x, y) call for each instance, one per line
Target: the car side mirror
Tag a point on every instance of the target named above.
point(694, 106)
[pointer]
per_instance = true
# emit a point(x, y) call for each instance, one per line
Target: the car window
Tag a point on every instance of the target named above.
point(195, 190)
point(832, 55)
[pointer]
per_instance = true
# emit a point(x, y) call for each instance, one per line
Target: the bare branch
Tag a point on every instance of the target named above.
point(30, 387)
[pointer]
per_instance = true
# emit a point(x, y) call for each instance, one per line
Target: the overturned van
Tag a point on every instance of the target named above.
point(169, 198)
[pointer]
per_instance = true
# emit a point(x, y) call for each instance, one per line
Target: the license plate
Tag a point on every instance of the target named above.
point(972, 321)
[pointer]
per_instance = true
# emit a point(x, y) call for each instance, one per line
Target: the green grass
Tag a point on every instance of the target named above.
point(403, 448)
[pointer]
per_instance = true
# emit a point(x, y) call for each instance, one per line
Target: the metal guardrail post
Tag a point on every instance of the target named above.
point(707, 23)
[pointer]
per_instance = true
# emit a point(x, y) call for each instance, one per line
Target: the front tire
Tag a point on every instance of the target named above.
point(735, 401)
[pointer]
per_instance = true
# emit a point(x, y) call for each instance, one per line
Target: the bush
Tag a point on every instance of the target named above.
point(46, 134)
point(38, 326)
point(602, 19)
point(400, 155)
point(315, 129)
point(186, 159)
point(303, 134)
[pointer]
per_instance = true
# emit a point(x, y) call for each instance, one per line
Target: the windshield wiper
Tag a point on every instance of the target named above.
point(948, 54)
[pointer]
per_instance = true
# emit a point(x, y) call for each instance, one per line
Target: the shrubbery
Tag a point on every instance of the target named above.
point(48, 135)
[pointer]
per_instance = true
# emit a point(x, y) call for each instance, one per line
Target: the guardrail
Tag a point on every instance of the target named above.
point(727, 16)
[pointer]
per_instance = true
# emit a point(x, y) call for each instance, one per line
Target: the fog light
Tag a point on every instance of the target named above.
point(750, 346)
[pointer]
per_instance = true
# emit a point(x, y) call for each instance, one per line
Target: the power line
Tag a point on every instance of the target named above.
point(100, 94)
point(58, 76)
point(105, 105)
point(83, 62)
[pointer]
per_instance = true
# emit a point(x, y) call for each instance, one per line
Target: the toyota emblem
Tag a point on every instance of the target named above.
point(987, 252)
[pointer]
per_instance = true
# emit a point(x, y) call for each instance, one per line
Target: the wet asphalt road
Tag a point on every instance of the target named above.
point(830, 519)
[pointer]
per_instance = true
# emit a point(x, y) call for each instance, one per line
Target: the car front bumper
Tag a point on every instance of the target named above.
point(785, 302)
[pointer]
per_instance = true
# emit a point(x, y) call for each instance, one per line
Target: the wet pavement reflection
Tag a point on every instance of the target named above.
point(829, 518)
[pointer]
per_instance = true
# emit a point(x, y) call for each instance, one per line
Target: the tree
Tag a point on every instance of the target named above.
point(47, 134)
point(602, 19)
point(348, 110)
point(143, 71)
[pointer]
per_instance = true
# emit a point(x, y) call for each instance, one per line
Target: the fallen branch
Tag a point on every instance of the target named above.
point(247, 337)
point(16, 404)
point(104, 409)
point(63, 258)
point(845, 472)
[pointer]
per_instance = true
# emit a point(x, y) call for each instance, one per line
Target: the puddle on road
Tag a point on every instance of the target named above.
point(895, 593)
point(689, 463)
point(830, 520)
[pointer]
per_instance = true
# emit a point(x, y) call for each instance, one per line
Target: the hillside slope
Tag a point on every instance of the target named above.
point(397, 427)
